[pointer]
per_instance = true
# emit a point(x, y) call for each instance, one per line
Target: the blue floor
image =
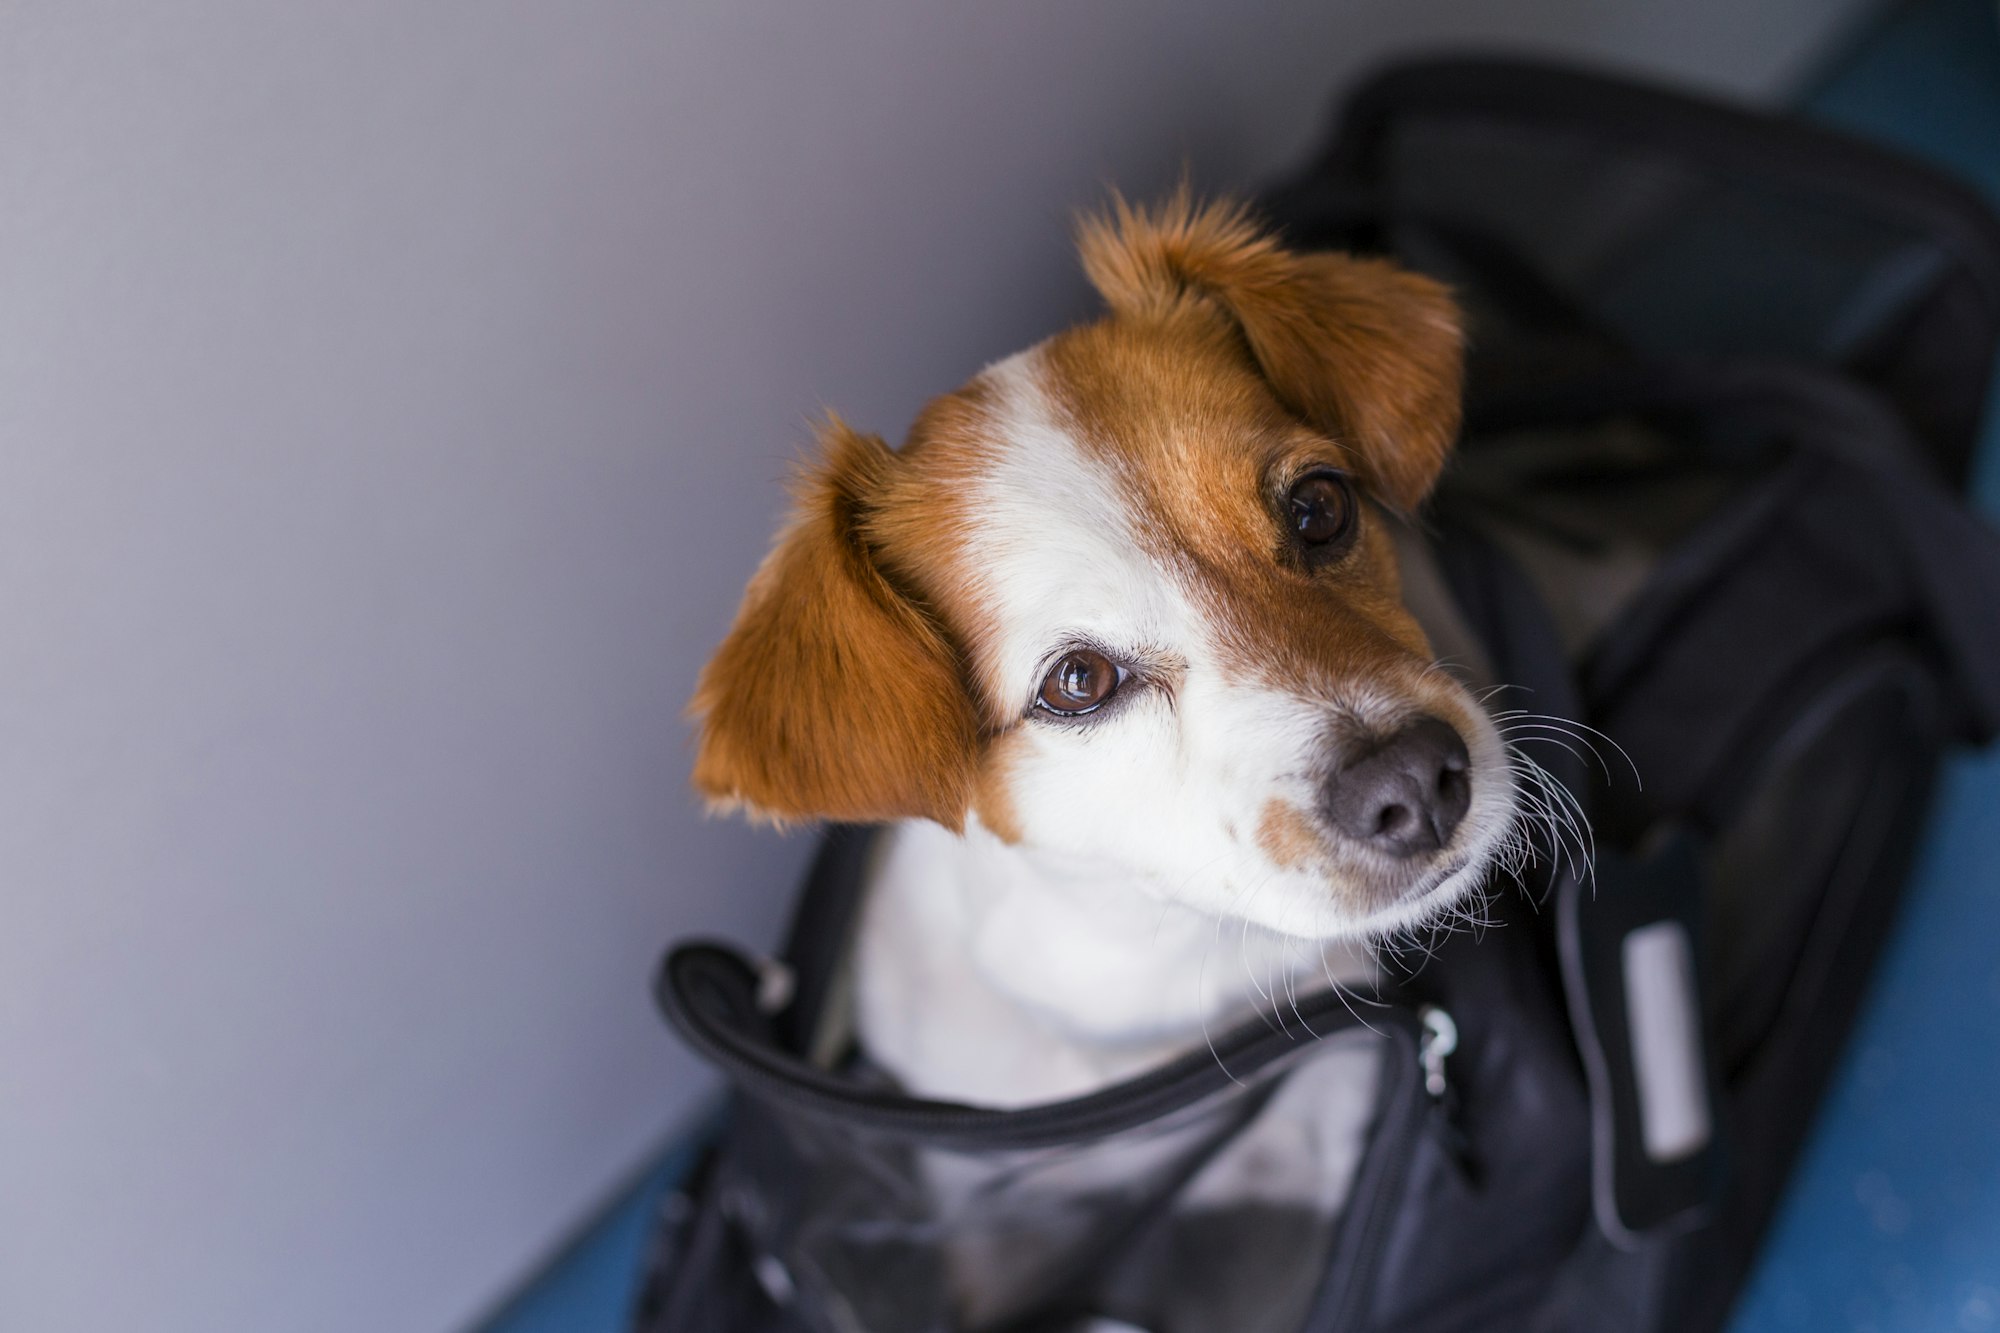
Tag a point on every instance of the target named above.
point(590, 1286)
point(1893, 1223)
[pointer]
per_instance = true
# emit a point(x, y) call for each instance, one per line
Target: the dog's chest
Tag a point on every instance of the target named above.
point(986, 975)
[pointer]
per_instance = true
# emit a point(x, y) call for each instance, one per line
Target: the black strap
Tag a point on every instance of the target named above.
point(821, 930)
point(710, 993)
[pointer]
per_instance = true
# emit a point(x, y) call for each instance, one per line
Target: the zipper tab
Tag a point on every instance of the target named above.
point(1440, 1039)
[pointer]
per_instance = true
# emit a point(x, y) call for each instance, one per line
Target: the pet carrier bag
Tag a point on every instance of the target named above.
point(1725, 380)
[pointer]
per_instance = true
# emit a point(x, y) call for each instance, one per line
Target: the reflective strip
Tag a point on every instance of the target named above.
point(1664, 1024)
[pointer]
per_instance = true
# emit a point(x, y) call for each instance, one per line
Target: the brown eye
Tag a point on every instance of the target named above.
point(1079, 682)
point(1321, 510)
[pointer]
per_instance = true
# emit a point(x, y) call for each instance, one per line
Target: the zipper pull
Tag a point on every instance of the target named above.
point(1440, 1039)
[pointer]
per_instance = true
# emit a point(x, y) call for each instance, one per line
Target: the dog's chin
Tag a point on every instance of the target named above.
point(1378, 904)
point(1430, 899)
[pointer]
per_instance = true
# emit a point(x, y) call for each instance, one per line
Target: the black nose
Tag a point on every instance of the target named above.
point(1405, 796)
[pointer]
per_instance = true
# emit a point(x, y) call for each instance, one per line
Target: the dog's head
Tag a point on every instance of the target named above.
point(1130, 595)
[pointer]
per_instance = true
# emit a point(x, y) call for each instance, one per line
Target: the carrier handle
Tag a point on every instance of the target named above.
point(709, 992)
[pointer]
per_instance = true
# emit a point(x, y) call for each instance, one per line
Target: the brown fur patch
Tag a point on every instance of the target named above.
point(1362, 350)
point(992, 794)
point(1194, 435)
point(920, 530)
point(834, 696)
point(1288, 837)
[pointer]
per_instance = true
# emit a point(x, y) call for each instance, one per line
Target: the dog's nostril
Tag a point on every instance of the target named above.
point(1408, 795)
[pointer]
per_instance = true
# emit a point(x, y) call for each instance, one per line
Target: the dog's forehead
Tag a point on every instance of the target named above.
point(1161, 389)
point(1162, 426)
point(1056, 531)
point(1048, 500)
point(1112, 485)
point(1178, 412)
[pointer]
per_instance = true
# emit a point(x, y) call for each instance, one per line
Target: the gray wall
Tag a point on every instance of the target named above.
point(393, 398)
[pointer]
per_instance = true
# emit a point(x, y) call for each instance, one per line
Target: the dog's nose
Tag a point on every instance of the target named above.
point(1405, 796)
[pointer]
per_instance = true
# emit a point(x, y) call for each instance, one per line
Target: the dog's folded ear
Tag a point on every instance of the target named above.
point(1366, 352)
point(833, 697)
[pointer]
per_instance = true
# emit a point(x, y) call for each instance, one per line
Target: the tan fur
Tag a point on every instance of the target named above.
point(1362, 350)
point(993, 793)
point(833, 696)
point(1288, 837)
point(1203, 447)
point(920, 531)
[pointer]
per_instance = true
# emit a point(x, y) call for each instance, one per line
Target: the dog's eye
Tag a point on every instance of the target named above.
point(1320, 507)
point(1078, 683)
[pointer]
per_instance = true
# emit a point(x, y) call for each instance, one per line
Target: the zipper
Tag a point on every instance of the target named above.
point(1372, 1201)
point(1439, 1041)
point(1419, 1101)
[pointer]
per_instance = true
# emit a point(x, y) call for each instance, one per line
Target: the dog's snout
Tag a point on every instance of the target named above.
point(1405, 796)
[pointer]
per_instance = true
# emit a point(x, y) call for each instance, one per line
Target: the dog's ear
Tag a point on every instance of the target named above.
point(833, 696)
point(1362, 350)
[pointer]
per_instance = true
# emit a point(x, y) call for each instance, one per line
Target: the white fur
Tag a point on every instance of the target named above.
point(1005, 976)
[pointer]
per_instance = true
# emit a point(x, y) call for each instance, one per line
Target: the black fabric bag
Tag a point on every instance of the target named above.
point(1726, 377)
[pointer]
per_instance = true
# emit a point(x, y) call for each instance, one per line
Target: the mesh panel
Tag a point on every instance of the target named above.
point(1222, 1215)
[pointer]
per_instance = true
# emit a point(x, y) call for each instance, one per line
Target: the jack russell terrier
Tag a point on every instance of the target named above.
point(1116, 644)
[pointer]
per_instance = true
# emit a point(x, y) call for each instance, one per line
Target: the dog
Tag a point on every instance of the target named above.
point(1116, 647)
